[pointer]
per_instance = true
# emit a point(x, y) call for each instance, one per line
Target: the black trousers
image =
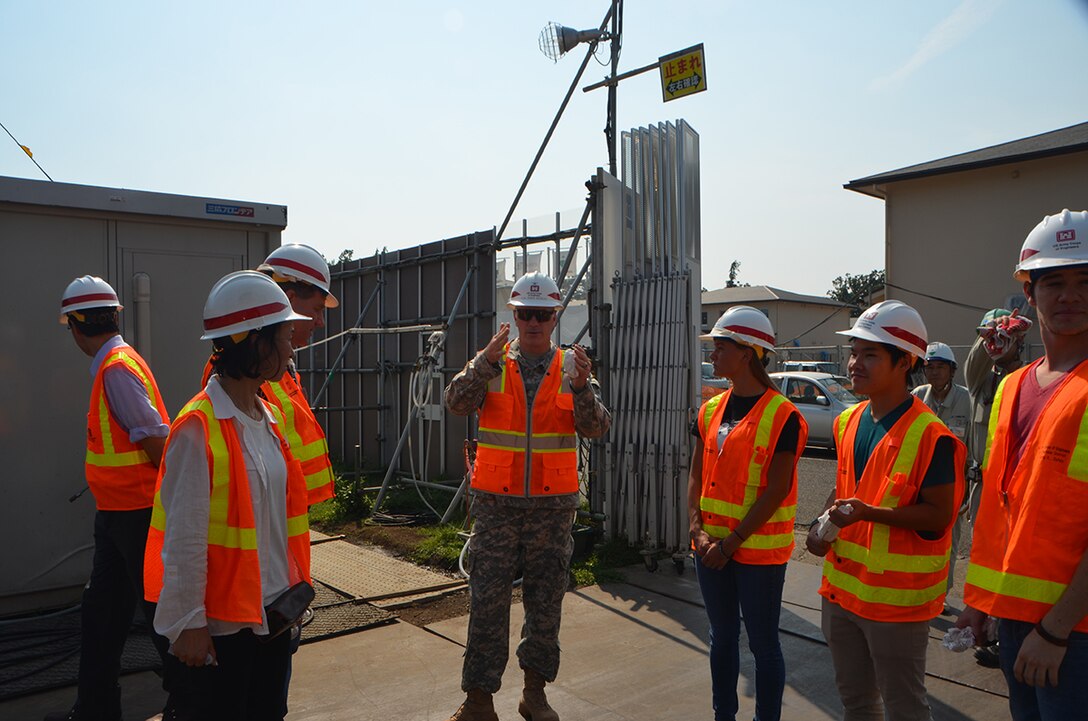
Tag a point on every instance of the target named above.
point(110, 599)
point(248, 683)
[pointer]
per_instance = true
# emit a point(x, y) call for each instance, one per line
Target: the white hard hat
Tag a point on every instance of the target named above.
point(295, 261)
point(535, 290)
point(892, 322)
point(940, 351)
point(744, 324)
point(1059, 239)
point(87, 292)
point(243, 301)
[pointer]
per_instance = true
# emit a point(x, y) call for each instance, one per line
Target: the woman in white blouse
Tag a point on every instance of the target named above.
point(229, 531)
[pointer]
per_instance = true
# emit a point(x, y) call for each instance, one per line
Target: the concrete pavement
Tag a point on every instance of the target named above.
point(633, 650)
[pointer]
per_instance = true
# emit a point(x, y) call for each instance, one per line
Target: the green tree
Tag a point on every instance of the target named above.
point(855, 290)
point(734, 271)
point(345, 255)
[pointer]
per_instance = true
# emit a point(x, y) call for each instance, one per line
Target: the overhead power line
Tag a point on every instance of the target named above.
point(938, 298)
point(27, 151)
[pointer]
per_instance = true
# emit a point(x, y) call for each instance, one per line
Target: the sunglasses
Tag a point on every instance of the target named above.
point(542, 315)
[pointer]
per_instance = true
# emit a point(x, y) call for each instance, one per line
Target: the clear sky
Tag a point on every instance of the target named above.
point(398, 123)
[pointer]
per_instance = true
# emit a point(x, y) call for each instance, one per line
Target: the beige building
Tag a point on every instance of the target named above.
point(954, 226)
point(805, 324)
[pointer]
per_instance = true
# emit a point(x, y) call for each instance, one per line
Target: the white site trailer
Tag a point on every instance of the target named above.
point(162, 253)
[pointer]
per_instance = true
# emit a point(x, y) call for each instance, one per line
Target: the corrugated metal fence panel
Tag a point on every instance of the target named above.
point(365, 405)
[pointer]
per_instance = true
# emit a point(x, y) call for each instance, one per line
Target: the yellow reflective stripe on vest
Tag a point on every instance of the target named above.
point(228, 537)
point(738, 512)
point(1014, 585)
point(708, 413)
point(995, 412)
point(904, 562)
point(763, 440)
point(842, 420)
point(287, 408)
point(219, 531)
point(158, 513)
point(879, 557)
point(500, 439)
point(1078, 464)
point(758, 541)
point(135, 368)
point(110, 458)
point(903, 597)
point(298, 525)
point(309, 451)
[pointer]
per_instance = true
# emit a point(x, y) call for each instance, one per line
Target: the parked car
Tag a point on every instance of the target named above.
point(820, 397)
point(712, 385)
point(810, 366)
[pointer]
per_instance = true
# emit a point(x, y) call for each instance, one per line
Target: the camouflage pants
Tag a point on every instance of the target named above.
point(504, 539)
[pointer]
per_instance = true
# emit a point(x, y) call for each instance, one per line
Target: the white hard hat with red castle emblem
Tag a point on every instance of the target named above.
point(535, 290)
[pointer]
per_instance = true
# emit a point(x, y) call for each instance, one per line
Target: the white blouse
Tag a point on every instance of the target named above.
point(186, 492)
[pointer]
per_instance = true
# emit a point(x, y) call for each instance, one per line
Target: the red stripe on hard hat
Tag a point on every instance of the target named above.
point(295, 265)
point(241, 315)
point(90, 296)
point(751, 331)
point(906, 335)
point(554, 295)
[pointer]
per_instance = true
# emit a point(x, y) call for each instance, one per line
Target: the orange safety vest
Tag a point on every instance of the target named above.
point(1032, 529)
point(514, 448)
point(302, 431)
point(120, 474)
point(735, 475)
point(233, 591)
point(877, 571)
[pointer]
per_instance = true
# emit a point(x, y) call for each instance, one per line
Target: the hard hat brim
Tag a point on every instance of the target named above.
point(514, 304)
point(64, 315)
point(1023, 270)
point(866, 335)
point(737, 338)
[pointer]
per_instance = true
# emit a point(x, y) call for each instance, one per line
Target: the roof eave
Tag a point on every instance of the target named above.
point(873, 185)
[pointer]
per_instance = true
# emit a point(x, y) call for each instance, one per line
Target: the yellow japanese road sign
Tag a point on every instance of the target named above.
point(682, 73)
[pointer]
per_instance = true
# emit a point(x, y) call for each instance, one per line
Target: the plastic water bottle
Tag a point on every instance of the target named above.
point(828, 531)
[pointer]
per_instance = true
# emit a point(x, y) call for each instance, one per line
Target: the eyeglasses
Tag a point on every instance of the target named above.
point(543, 315)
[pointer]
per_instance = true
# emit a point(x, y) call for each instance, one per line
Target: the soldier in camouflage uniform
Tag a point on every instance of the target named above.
point(524, 494)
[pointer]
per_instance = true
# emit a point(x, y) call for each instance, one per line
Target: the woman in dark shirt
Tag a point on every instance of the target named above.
point(742, 498)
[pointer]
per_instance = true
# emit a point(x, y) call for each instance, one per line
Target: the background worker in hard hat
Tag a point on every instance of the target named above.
point(304, 277)
point(126, 429)
point(1029, 557)
point(533, 401)
point(742, 528)
point(228, 474)
point(951, 402)
point(898, 485)
point(998, 351)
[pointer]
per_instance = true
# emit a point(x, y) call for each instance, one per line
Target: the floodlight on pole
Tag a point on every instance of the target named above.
point(557, 40)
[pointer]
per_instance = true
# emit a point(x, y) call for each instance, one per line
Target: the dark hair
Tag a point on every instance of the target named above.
point(244, 358)
point(96, 322)
point(896, 353)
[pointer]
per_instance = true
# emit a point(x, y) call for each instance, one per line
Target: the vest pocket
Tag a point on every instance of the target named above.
point(498, 410)
point(559, 470)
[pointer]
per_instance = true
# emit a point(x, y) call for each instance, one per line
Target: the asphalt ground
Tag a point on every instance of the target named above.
point(815, 480)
